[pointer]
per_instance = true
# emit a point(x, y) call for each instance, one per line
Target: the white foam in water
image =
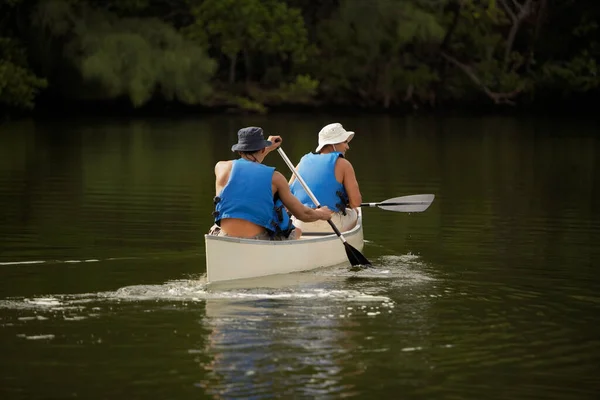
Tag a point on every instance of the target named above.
point(407, 266)
point(324, 283)
point(194, 291)
point(61, 261)
point(21, 262)
point(75, 318)
point(319, 284)
point(44, 301)
point(412, 349)
point(55, 303)
point(219, 303)
point(36, 337)
point(350, 295)
point(33, 318)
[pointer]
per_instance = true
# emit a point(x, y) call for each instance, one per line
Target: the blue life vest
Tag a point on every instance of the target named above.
point(318, 171)
point(248, 195)
point(284, 225)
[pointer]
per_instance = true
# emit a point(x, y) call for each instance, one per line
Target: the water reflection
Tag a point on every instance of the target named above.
point(268, 347)
point(273, 346)
point(307, 335)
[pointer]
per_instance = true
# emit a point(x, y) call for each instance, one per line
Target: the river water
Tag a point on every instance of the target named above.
point(493, 292)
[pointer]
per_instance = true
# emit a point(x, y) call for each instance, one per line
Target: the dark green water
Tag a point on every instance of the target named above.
point(493, 292)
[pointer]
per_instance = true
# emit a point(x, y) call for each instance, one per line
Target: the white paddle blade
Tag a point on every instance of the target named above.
point(414, 203)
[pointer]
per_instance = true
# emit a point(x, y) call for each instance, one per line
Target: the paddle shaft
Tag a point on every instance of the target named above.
point(354, 256)
point(307, 189)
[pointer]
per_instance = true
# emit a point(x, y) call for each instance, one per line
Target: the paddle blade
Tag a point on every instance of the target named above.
point(356, 257)
point(414, 203)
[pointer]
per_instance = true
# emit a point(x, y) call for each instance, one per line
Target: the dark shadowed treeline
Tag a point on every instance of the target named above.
point(259, 54)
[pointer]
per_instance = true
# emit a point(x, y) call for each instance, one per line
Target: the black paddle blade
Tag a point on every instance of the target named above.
point(356, 257)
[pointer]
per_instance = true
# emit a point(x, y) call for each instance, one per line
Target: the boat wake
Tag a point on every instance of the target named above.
point(197, 290)
point(88, 260)
point(336, 283)
point(407, 268)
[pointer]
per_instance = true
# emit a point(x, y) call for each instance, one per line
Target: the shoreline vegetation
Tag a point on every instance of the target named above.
point(161, 57)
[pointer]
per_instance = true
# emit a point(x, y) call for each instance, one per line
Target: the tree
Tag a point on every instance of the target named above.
point(114, 56)
point(260, 27)
point(568, 50)
point(483, 55)
point(377, 50)
point(19, 85)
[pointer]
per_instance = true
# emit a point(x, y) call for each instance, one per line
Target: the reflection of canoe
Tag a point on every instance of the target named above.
point(234, 258)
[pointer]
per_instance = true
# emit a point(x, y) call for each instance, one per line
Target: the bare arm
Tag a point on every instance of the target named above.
point(350, 183)
point(299, 210)
point(222, 171)
point(275, 143)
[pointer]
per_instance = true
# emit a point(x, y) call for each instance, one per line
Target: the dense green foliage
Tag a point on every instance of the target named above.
point(252, 54)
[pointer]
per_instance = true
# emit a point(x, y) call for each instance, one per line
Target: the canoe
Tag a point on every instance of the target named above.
point(229, 258)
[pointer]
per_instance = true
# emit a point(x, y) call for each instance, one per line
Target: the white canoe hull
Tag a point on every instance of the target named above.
point(230, 258)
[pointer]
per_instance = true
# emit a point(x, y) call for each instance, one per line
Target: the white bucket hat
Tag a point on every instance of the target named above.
point(333, 134)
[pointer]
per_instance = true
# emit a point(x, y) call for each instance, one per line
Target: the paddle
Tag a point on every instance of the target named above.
point(413, 203)
point(354, 256)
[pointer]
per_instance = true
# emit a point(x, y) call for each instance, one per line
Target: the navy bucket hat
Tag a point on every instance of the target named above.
point(250, 139)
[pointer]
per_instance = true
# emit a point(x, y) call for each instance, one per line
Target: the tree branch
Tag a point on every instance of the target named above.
point(524, 11)
point(497, 98)
point(541, 10)
point(518, 6)
point(456, 7)
point(508, 10)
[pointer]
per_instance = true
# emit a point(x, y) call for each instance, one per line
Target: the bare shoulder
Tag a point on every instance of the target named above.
point(279, 179)
point(223, 166)
point(222, 172)
point(343, 161)
point(344, 164)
